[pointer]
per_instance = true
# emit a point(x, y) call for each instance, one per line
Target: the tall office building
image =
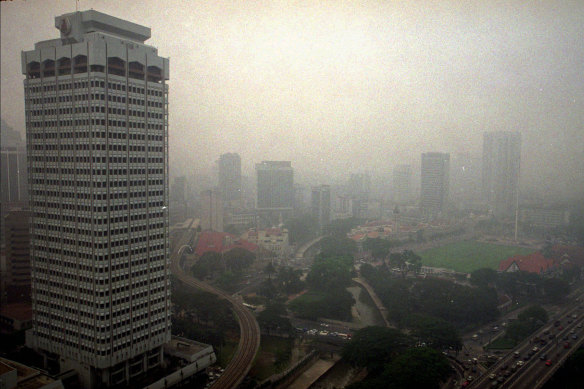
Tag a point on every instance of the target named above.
point(501, 162)
point(321, 204)
point(13, 169)
point(359, 186)
point(402, 184)
point(229, 169)
point(275, 185)
point(212, 211)
point(465, 179)
point(434, 182)
point(96, 104)
point(16, 277)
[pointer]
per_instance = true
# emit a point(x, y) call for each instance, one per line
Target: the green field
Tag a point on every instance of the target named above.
point(467, 256)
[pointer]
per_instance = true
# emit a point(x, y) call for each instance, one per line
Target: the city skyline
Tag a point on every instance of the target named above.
point(339, 87)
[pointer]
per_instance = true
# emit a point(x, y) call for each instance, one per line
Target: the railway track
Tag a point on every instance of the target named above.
point(249, 331)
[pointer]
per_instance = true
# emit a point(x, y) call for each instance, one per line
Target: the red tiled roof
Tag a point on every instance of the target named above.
point(218, 242)
point(532, 263)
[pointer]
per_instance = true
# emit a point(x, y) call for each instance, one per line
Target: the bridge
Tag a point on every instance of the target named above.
point(299, 254)
point(249, 331)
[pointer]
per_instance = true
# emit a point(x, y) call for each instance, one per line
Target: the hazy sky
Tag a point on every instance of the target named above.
point(345, 86)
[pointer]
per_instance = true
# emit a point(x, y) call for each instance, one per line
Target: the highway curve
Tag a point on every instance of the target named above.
point(249, 331)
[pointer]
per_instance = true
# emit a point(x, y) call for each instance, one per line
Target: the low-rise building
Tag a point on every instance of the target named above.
point(274, 242)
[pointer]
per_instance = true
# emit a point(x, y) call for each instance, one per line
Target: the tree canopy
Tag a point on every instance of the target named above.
point(434, 332)
point(483, 277)
point(373, 347)
point(378, 247)
point(330, 273)
point(417, 367)
point(334, 246)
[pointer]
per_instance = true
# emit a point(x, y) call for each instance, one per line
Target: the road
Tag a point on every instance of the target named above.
point(249, 331)
point(376, 300)
point(534, 372)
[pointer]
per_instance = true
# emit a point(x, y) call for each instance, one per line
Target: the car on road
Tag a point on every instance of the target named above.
point(574, 337)
point(516, 354)
point(543, 357)
point(492, 376)
point(567, 345)
point(520, 363)
point(548, 362)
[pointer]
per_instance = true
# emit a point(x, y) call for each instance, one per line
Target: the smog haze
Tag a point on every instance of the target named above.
point(337, 87)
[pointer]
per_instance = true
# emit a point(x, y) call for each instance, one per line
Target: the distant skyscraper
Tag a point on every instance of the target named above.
point(229, 166)
point(465, 179)
point(434, 182)
point(212, 211)
point(13, 170)
point(97, 128)
point(501, 162)
point(321, 204)
point(178, 189)
point(360, 186)
point(275, 185)
point(17, 242)
point(402, 184)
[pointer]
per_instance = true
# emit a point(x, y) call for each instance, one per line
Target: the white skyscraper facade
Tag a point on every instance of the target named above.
point(97, 140)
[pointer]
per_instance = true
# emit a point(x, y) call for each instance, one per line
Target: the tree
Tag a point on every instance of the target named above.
point(534, 313)
point(288, 280)
point(302, 228)
point(238, 259)
point(483, 277)
point(373, 347)
point(334, 304)
point(333, 246)
point(413, 260)
point(330, 273)
point(418, 367)
point(341, 227)
point(397, 260)
point(434, 332)
point(273, 319)
point(379, 247)
point(270, 269)
point(556, 289)
point(209, 263)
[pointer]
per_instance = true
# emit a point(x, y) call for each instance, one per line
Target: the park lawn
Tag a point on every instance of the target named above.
point(467, 256)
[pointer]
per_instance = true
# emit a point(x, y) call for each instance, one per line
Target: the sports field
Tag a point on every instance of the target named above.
point(467, 256)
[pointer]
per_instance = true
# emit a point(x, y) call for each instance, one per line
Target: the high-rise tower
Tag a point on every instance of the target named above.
point(97, 141)
point(434, 182)
point(501, 162)
point(321, 205)
point(229, 165)
point(402, 184)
